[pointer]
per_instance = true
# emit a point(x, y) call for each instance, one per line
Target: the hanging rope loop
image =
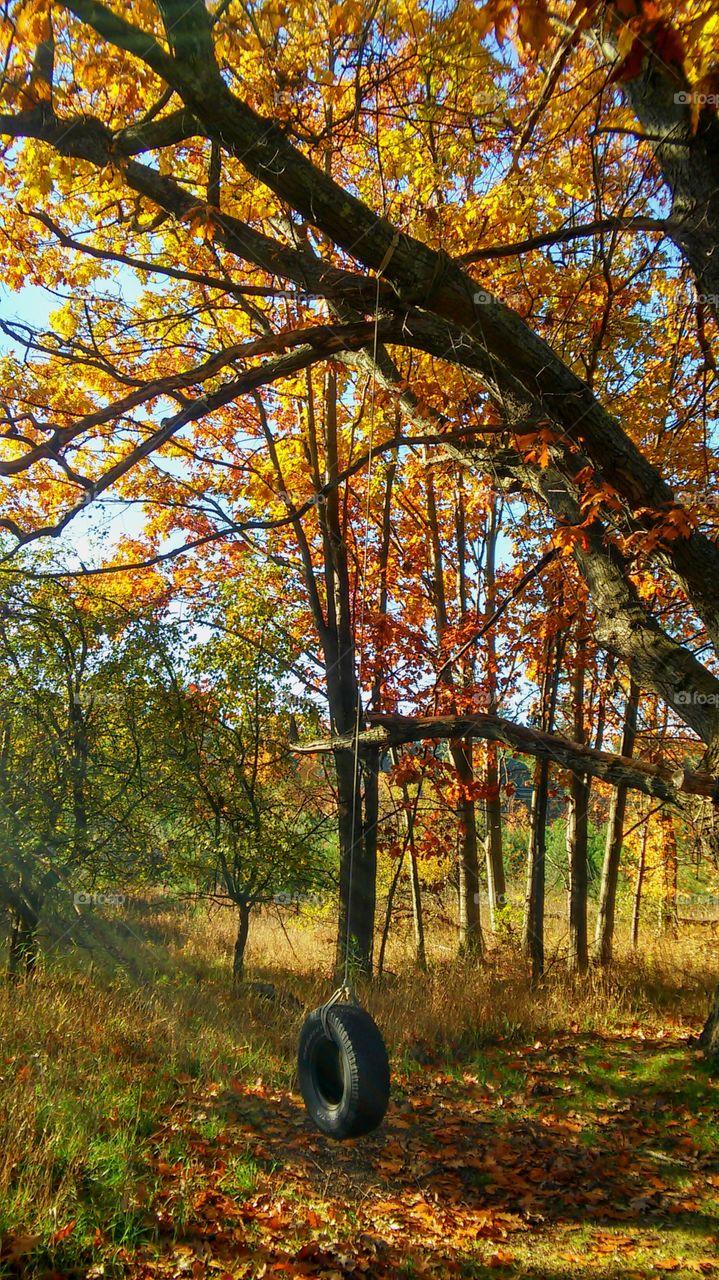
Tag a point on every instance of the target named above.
point(343, 995)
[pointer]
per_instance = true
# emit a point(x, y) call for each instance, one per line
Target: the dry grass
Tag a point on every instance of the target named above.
point(91, 1059)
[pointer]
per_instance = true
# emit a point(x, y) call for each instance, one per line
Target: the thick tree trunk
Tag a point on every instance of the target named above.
point(606, 912)
point(358, 871)
point(686, 149)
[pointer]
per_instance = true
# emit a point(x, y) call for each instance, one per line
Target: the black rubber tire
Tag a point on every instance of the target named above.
point(343, 1072)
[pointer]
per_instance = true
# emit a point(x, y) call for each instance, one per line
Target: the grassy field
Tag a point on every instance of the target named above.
point(151, 1126)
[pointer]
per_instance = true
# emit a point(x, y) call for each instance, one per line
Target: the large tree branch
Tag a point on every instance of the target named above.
point(424, 277)
point(664, 780)
point(685, 144)
point(505, 372)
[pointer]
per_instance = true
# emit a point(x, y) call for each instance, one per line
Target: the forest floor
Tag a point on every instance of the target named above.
point(155, 1129)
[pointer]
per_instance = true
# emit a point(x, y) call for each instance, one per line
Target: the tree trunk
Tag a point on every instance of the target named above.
point(533, 937)
point(494, 851)
point(709, 1039)
point(358, 870)
point(238, 956)
point(639, 885)
point(24, 945)
point(670, 922)
point(417, 913)
point(388, 914)
point(409, 811)
point(578, 958)
point(470, 928)
point(533, 933)
point(494, 855)
point(469, 919)
point(687, 152)
point(606, 912)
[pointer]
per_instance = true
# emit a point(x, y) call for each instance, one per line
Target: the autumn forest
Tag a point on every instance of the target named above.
point(359, 638)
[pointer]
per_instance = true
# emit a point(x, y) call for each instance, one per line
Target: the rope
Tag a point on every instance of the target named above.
point(363, 587)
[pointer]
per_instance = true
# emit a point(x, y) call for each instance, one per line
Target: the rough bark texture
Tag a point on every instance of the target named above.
point(687, 152)
point(663, 780)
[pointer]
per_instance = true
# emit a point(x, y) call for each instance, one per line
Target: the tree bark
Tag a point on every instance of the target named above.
point(663, 780)
point(686, 149)
point(709, 1039)
point(238, 954)
point(420, 949)
point(355, 934)
point(469, 919)
point(670, 922)
point(533, 933)
point(494, 853)
point(24, 945)
point(577, 830)
point(639, 885)
point(388, 914)
point(409, 811)
point(606, 911)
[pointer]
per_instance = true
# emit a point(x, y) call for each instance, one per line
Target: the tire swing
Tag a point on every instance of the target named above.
point(342, 1061)
point(343, 1068)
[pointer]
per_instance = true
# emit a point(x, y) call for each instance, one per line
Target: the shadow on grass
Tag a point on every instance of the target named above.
point(500, 1150)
